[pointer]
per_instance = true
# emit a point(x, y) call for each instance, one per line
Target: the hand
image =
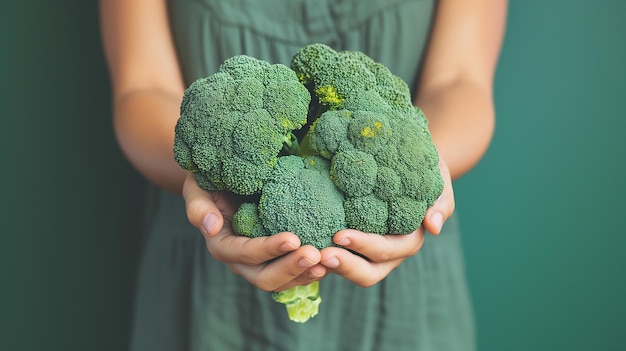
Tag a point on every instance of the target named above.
point(378, 255)
point(272, 263)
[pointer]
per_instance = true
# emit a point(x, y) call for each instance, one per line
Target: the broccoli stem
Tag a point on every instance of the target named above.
point(315, 110)
point(302, 302)
point(304, 149)
point(290, 144)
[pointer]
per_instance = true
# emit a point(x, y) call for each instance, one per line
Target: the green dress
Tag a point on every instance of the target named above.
point(188, 301)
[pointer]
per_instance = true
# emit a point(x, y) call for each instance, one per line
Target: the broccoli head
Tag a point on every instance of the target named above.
point(300, 198)
point(384, 155)
point(378, 142)
point(349, 79)
point(365, 159)
point(234, 123)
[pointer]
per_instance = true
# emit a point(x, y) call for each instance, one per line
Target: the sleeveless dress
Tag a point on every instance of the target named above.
point(188, 301)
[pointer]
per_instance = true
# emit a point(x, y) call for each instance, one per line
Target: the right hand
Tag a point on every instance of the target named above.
point(272, 263)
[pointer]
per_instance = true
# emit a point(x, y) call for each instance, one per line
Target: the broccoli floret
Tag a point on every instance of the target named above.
point(330, 136)
point(404, 212)
point(234, 123)
point(339, 79)
point(300, 198)
point(354, 172)
point(367, 213)
point(246, 221)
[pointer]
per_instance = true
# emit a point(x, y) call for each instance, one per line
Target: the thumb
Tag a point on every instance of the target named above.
point(201, 209)
point(443, 208)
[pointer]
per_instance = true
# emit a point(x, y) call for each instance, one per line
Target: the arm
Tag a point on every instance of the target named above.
point(455, 92)
point(456, 86)
point(147, 86)
point(147, 91)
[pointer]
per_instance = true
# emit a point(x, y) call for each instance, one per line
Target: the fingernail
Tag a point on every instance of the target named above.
point(332, 262)
point(304, 263)
point(287, 246)
point(209, 223)
point(343, 241)
point(437, 220)
point(314, 274)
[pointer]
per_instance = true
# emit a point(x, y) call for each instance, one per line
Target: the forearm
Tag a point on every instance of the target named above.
point(456, 82)
point(144, 122)
point(461, 119)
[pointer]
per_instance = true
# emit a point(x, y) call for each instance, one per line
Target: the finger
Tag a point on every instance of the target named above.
point(202, 211)
point(231, 248)
point(381, 248)
point(443, 208)
point(315, 273)
point(280, 272)
point(355, 268)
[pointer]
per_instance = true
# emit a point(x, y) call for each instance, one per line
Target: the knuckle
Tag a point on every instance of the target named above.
point(303, 281)
point(194, 211)
point(451, 206)
point(247, 258)
point(234, 269)
point(248, 253)
point(414, 250)
point(382, 256)
point(215, 253)
point(293, 272)
point(263, 285)
point(368, 282)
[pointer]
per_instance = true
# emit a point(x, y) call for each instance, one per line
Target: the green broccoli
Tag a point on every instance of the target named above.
point(299, 198)
point(378, 143)
point(234, 123)
point(349, 80)
point(365, 162)
point(384, 155)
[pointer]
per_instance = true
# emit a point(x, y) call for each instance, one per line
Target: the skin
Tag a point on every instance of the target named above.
point(455, 91)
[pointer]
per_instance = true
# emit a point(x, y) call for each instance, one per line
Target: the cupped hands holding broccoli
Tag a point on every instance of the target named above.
point(332, 143)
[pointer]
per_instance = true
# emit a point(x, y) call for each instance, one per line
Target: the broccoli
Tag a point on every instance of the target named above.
point(330, 143)
point(387, 156)
point(300, 198)
point(381, 152)
point(234, 123)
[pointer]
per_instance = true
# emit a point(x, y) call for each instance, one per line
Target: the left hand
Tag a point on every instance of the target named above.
point(271, 263)
point(383, 253)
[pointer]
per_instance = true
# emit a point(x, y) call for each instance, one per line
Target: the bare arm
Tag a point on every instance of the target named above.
point(147, 86)
point(147, 91)
point(455, 92)
point(456, 86)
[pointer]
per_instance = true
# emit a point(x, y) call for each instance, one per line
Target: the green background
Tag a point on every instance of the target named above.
point(542, 213)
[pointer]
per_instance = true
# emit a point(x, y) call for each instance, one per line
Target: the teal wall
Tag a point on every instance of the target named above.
point(542, 212)
point(68, 241)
